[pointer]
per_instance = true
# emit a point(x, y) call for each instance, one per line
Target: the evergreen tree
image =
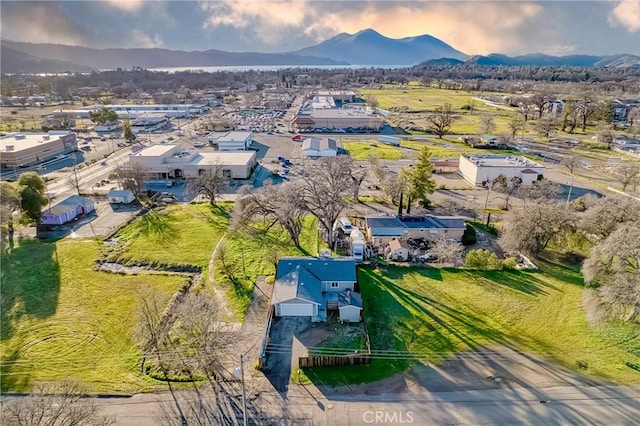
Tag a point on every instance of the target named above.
point(421, 184)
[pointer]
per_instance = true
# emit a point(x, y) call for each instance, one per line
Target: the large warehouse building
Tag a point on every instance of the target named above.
point(138, 110)
point(354, 118)
point(18, 149)
point(165, 161)
point(481, 170)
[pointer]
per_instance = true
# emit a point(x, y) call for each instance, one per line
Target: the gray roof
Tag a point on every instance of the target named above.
point(69, 204)
point(297, 283)
point(395, 225)
point(323, 268)
point(119, 192)
point(319, 144)
point(444, 222)
point(349, 298)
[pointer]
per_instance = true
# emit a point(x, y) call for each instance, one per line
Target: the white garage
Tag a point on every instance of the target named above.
point(296, 308)
point(296, 293)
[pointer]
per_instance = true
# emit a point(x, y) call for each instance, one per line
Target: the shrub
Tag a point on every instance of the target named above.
point(466, 107)
point(510, 263)
point(469, 236)
point(482, 259)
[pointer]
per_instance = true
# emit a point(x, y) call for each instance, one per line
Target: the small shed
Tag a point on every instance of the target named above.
point(350, 306)
point(121, 196)
point(67, 210)
point(398, 250)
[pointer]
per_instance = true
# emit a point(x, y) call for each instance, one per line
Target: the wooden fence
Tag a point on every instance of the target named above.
point(333, 360)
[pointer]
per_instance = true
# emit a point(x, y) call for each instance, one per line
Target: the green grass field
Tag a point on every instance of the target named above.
point(180, 234)
point(433, 313)
point(364, 150)
point(61, 319)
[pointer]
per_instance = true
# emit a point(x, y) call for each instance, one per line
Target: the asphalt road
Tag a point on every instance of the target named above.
point(604, 405)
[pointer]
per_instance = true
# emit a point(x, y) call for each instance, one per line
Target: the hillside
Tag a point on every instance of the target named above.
point(13, 61)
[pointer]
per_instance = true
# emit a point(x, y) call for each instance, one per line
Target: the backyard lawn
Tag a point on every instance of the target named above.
point(250, 251)
point(61, 319)
point(429, 314)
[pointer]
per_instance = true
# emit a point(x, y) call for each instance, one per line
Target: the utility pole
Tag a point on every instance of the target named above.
point(570, 190)
point(240, 373)
point(486, 202)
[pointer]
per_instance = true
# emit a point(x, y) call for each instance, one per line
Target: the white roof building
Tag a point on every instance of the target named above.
point(25, 148)
point(164, 161)
point(231, 141)
point(481, 170)
point(314, 147)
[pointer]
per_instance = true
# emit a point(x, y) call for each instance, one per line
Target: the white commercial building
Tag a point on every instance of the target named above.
point(231, 141)
point(481, 170)
point(18, 149)
point(136, 110)
point(345, 118)
point(149, 124)
point(164, 161)
point(314, 147)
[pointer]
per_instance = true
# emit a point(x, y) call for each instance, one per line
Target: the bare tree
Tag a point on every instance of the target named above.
point(441, 120)
point(540, 101)
point(571, 163)
point(282, 204)
point(607, 214)
point(209, 182)
point(447, 251)
point(526, 108)
point(587, 107)
point(58, 404)
point(487, 124)
point(605, 134)
point(506, 188)
point(451, 207)
point(539, 191)
point(516, 124)
point(530, 230)
point(328, 182)
point(571, 113)
point(613, 264)
point(357, 177)
point(546, 125)
point(393, 186)
point(132, 176)
point(628, 174)
point(9, 203)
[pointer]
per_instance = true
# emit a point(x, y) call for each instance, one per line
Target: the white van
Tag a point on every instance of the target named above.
point(345, 225)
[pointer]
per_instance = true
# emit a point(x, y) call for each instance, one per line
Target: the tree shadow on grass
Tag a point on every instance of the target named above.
point(160, 226)
point(525, 282)
point(561, 272)
point(29, 286)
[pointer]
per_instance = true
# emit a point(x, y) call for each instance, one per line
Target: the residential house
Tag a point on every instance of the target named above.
point(309, 287)
point(381, 230)
point(398, 250)
point(621, 109)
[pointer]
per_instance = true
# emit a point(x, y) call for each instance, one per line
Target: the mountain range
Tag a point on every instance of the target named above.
point(366, 48)
point(540, 59)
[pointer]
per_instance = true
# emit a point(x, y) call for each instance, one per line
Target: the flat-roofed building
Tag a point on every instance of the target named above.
point(148, 124)
point(231, 141)
point(481, 170)
point(380, 230)
point(136, 110)
point(18, 149)
point(165, 161)
point(339, 95)
point(332, 119)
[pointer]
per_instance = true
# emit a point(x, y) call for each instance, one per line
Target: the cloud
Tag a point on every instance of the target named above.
point(141, 39)
point(270, 21)
point(126, 5)
point(626, 14)
point(475, 27)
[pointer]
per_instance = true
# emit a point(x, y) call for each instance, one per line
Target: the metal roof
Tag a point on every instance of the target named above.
point(69, 204)
point(297, 283)
point(324, 268)
point(349, 298)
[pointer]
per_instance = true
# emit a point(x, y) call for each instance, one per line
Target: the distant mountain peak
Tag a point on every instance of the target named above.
point(369, 47)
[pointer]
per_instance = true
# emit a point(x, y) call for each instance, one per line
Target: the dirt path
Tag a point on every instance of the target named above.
point(221, 298)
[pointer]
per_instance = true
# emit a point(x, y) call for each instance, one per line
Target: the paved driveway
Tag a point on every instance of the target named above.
point(283, 350)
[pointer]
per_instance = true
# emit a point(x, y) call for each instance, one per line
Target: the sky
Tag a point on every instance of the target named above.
point(474, 27)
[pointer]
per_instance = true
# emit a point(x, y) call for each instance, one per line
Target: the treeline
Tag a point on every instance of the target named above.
point(472, 77)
